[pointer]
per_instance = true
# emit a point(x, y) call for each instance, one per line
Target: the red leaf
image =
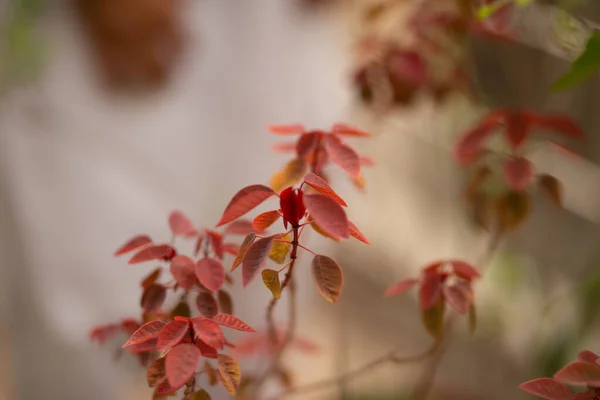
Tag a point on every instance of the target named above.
point(588, 356)
point(180, 224)
point(470, 146)
point(459, 296)
point(580, 373)
point(356, 233)
point(464, 270)
point(307, 144)
point(561, 123)
point(401, 287)
point(254, 258)
point(182, 269)
point(244, 201)
point(199, 243)
point(216, 243)
point(430, 291)
point(232, 322)
point(231, 248)
point(153, 297)
point(547, 388)
point(346, 130)
point(171, 334)
point(144, 347)
point(518, 173)
point(292, 129)
point(288, 147)
point(104, 333)
point(366, 161)
point(181, 363)
point(342, 155)
point(152, 253)
point(206, 350)
point(248, 240)
point(207, 305)
point(210, 273)
point(151, 278)
point(328, 214)
point(133, 243)
point(130, 326)
point(209, 332)
point(239, 227)
point(408, 65)
point(163, 388)
point(518, 128)
point(265, 220)
point(319, 184)
point(149, 330)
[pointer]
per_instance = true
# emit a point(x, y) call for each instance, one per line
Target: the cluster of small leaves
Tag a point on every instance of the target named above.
point(169, 335)
point(504, 203)
point(442, 282)
point(583, 372)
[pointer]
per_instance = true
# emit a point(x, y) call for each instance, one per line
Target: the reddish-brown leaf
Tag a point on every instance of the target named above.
point(104, 333)
point(248, 240)
point(255, 258)
point(265, 220)
point(156, 372)
point(471, 145)
point(588, 356)
point(216, 243)
point(152, 253)
point(431, 290)
point(182, 269)
point(180, 224)
point(518, 173)
point(459, 296)
point(319, 184)
point(198, 246)
point(239, 227)
point(401, 287)
point(328, 215)
point(181, 363)
point(171, 334)
point(552, 188)
point(518, 128)
point(149, 330)
point(209, 332)
point(580, 373)
point(153, 297)
point(231, 248)
point(307, 143)
point(292, 129)
point(163, 390)
point(151, 277)
point(356, 233)
point(200, 395)
point(225, 302)
point(210, 273)
point(245, 200)
point(133, 243)
point(207, 305)
point(229, 373)
point(328, 277)
point(206, 350)
point(144, 347)
point(211, 373)
point(512, 209)
point(464, 270)
point(346, 130)
point(232, 322)
point(547, 388)
point(342, 155)
point(561, 123)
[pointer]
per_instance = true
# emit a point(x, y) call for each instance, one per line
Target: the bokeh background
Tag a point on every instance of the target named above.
point(114, 113)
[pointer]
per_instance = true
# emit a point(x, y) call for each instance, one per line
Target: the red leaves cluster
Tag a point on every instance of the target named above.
point(441, 282)
point(583, 372)
point(314, 149)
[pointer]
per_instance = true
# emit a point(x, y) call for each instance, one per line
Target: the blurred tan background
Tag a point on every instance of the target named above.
point(83, 167)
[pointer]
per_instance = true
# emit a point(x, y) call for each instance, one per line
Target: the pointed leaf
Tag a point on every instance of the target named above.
point(229, 373)
point(580, 373)
point(171, 335)
point(291, 173)
point(265, 220)
point(271, 280)
point(471, 145)
point(464, 270)
point(307, 143)
point(153, 252)
point(245, 200)
point(153, 297)
point(319, 184)
point(200, 395)
point(401, 287)
point(239, 227)
point(144, 347)
point(563, 124)
point(180, 224)
point(151, 277)
point(518, 173)
point(356, 233)
point(181, 363)
point(181, 310)
point(459, 296)
point(254, 258)
point(433, 318)
point(210, 273)
point(149, 330)
point(328, 214)
point(342, 155)
point(431, 290)
point(104, 333)
point(547, 388)
point(518, 128)
point(588, 356)
point(225, 302)
point(346, 130)
point(199, 243)
point(209, 332)
point(216, 243)
point(164, 390)
point(206, 350)
point(328, 277)
point(248, 240)
point(211, 373)
point(552, 188)
point(585, 66)
point(156, 372)
point(292, 129)
point(279, 251)
point(133, 243)
point(231, 248)
point(182, 269)
point(232, 322)
point(207, 305)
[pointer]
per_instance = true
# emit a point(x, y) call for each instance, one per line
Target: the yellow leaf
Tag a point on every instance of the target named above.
point(279, 251)
point(289, 175)
point(359, 182)
point(200, 395)
point(271, 280)
point(229, 373)
point(211, 373)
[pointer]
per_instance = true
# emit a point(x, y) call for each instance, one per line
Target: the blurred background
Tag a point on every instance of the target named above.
point(114, 113)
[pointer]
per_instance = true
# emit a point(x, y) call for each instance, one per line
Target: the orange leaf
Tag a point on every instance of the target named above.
point(328, 214)
point(229, 373)
point(248, 240)
point(244, 201)
point(346, 130)
point(211, 373)
point(288, 147)
point(401, 287)
point(171, 334)
point(356, 233)
point(156, 372)
point(207, 305)
point(209, 332)
point(231, 248)
point(149, 330)
point(328, 277)
point(265, 220)
point(181, 363)
point(153, 297)
point(210, 273)
point(271, 280)
point(180, 224)
point(342, 155)
point(182, 269)
point(133, 243)
point(254, 258)
point(152, 253)
point(292, 129)
point(232, 322)
point(293, 171)
point(319, 184)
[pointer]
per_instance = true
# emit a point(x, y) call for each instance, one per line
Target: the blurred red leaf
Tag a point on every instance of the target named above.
point(307, 143)
point(342, 155)
point(210, 273)
point(347, 130)
point(146, 332)
point(207, 305)
point(162, 389)
point(580, 373)
point(231, 248)
point(328, 215)
point(232, 322)
point(181, 363)
point(216, 243)
point(459, 296)
point(209, 332)
point(292, 129)
point(133, 243)
point(151, 277)
point(470, 146)
point(244, 201)
point(239, 227)
point(409, 65)
point(171, 334)
point(518, 172)
point(588, 356)
point(152, 253)
point(153, 297)
point(518, 128)
point(319, 184)
point(182, 269)
point(254, 258)
point(248, 240)
point(199, 242)
point(464, 270)
point(328, 277)
point(180, 224)
point(366, 161)
point(288, 147)
point(356, 233)
point(265, 220)
point(401, 287)
point(561, 123)
point(431, 290)
point(206, 350)
point(104, 333)
point(547, 388)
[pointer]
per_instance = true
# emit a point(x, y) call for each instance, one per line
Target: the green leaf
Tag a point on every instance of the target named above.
point(583, 67)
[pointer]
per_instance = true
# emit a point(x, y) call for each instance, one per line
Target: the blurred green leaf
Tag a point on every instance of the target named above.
point(583, 67)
